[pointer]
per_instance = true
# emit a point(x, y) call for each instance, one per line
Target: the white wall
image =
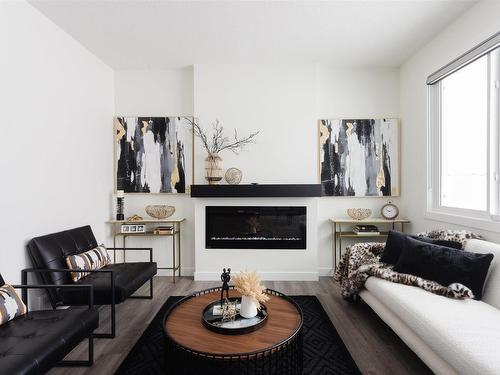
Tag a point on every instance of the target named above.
point(57, 113)
point(280, 102)
point(277, 100)
point(154, 92)
point(361, 92)
point(158, 93)
point(477, 24)
point(344, 93)
point(56, 103)
point(284, 103)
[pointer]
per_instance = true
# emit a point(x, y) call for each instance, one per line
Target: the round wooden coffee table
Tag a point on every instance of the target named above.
point(276, 348)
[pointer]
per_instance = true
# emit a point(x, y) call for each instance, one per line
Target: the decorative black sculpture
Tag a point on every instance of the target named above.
point(225, 277)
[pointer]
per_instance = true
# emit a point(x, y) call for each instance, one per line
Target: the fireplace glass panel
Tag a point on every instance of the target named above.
point(255, 227)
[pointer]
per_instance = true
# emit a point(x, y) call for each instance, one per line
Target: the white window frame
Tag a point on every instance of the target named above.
point(488, 219)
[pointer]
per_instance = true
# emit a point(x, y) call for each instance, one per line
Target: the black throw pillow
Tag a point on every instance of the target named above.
point(396, 242)
point(444, 265)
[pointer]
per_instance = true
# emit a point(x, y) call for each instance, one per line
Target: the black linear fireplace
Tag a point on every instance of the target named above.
point(255, 227)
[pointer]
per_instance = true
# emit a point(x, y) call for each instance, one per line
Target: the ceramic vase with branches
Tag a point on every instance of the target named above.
point(215, 144)
point(214, 169)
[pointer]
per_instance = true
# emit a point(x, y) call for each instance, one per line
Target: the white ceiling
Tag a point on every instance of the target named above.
point(144, 34)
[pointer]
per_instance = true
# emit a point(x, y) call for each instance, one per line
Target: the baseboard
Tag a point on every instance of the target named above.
point(185, 271)
point(325, 271)
point(278, 276)
point(271, 276)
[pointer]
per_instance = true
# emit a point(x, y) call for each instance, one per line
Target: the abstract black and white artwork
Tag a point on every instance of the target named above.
point(153, 154)
point(359, 157)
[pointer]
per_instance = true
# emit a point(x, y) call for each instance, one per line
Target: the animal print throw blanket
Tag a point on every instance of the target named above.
point(361, 261)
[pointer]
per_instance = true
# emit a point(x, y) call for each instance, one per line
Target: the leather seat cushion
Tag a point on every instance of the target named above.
point(128, 278)
point(35, 342)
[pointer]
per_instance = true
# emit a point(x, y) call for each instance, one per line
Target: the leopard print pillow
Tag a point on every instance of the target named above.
point(460, 236)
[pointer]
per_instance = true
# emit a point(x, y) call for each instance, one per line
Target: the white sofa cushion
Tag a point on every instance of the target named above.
point(464, 333)
point(491, 290)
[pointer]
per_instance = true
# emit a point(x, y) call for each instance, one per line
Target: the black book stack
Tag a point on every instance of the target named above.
point(366, 230)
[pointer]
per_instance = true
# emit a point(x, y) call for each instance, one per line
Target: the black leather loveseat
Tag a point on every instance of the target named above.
point(35, 342)
point(111, 285)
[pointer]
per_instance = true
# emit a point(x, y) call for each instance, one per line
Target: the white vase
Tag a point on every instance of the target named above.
point(248, 308)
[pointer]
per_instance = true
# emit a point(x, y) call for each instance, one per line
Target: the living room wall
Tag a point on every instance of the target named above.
point(477, 24)
point(57, 105)
point(157, 93)
point(283, 102)
point(57, 101)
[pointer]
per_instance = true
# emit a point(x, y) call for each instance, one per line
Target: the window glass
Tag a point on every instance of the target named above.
point(464, 137)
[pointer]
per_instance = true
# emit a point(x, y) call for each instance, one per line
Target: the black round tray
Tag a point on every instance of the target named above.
point(239, 326)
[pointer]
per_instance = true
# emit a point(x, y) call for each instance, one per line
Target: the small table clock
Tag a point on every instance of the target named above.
point(389, 211)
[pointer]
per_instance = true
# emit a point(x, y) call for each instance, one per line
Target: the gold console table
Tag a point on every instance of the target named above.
point(338, 233)
point(175, 235)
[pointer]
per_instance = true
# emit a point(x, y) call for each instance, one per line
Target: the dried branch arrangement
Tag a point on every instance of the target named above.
point(248, 284)
point(218, 141)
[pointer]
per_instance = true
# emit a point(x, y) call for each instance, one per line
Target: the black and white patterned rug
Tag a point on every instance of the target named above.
point(324, 351)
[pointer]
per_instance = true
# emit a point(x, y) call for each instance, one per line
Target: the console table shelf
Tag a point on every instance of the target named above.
point(339, 233)
point(355, 235)
point(176, 237)
point(147, 221)
point(148, 233)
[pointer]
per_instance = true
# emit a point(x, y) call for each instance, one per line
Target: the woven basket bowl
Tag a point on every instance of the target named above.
point(359, 213)
point(160, 211)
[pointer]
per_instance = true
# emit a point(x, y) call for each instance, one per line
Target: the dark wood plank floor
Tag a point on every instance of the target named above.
point(372, 344)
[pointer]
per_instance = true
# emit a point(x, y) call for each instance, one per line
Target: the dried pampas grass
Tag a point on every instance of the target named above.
point(248, 284)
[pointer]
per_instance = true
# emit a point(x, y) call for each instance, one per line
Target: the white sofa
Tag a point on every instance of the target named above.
point(450, 336)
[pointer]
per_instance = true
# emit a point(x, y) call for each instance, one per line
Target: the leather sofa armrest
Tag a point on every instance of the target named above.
point(24, 279)
point(25, 287)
